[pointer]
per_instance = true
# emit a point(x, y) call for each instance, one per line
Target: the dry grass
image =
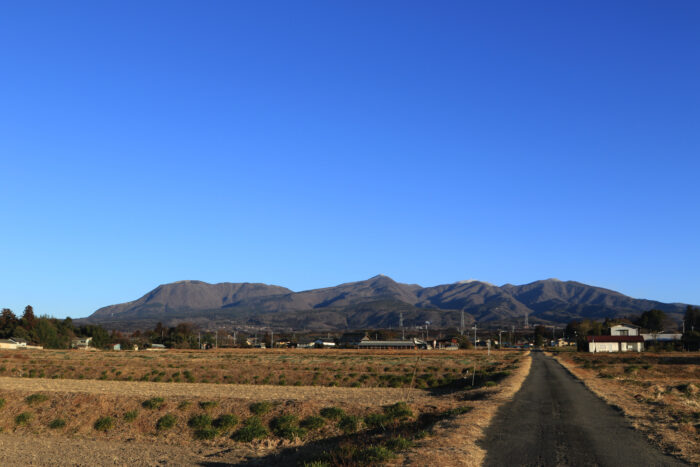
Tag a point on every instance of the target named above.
point(454, 441)
point(658, 392)
point(288, 367)
point(81, 402)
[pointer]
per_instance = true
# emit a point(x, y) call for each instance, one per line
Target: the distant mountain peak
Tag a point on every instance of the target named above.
point(374, 302)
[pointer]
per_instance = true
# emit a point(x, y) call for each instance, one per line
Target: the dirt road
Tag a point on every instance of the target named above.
point(555, 421)
point(359, 396)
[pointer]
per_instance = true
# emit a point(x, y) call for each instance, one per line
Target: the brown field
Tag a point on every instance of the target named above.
point(659, 392)
point(78, 388)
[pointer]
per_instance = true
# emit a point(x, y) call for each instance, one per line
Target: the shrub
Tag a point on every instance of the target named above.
point(332, 413)
point(36, 398)
point(166, 422)
point(398, 443)
point(287, 426)
point(252, 429)
point(313, 422)
point(349, 424)
point(131, 415)
point(206, 405)
point(199, 421)
point(23, 418)
point(260, 408)
point(183, 405)
point(104, 423)
point(2, 403)
point(57, 423)
point(205, 433)
point(153, 403)
point(225, 422)
point(373, 454)
point(399, 410)
point(377, 421)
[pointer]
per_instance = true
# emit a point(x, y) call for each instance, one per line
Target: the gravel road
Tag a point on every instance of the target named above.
point(554, 420)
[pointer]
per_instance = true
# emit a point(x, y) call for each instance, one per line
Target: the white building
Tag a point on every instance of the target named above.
point(624, 330)
point(615, 343)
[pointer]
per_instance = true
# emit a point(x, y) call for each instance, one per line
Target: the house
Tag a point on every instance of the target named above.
point(20, 342)
point(563, 342)
point(663, 337)
point(392, 345)
point(7, 344)
point(324, 343)
point(615, 343)
point(624, 329)
point(450, 343)
point(352, 339)
point(156, 347)
point(116, 347)
point(82, 343)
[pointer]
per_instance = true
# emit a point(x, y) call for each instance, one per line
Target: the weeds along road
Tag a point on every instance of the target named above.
point(359, 396)
point(554, 420)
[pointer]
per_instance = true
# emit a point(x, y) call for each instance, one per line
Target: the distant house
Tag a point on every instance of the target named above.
point(392, 345)
point(156, 347)
point(324, 343)
point(449, 343)
point(624, 329)
point(615, 343)
point(662, 337)
point(350, 340)
point(116, 347)
point(20, 342)
point(82, 343)
point(7, 344)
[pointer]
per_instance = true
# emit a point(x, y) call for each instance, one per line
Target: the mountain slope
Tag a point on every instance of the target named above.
point(375, 302)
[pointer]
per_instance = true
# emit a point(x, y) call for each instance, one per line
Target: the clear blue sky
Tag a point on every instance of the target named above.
point(307, 144)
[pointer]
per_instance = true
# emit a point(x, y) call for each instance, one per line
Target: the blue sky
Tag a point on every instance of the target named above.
point(307, 144)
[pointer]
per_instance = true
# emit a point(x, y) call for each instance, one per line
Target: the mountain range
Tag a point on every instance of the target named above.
point(378, 302)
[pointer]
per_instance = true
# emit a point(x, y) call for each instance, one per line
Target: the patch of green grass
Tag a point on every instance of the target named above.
point(2, 403)
point(205, 433)
point(201, 420)
point(23, 418)
point(377, 421)
point(349, 424)
point(373, 455)
point(131, 415)
point(260, 408)
point(104, 424)
point(400, 410)
point(225, 422)
point(36, 398)
point(206, 405)
point(153, 403)
point(313, 422)
point(252, 429)
point(287, 426)
point(183, 405)
point(166, 422)
point(332, 413)
point(57, 423)
point(398, 443)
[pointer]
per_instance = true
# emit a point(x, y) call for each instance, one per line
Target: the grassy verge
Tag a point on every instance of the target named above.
point(658, 394)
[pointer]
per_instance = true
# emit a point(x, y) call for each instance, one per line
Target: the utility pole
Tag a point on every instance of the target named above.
point(461, 327)
point(272, 339)
point(500, 340)
point(527, 325)
point(216, 338)
point(403, 334)
point(474, 328)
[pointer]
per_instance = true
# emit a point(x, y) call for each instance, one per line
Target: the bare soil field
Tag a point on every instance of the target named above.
point(157, 422)
point(658, 392)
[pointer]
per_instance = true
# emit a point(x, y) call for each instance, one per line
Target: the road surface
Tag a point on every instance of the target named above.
point(554, 420)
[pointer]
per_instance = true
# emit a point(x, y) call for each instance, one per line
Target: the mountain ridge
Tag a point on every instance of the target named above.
point(374, 302)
